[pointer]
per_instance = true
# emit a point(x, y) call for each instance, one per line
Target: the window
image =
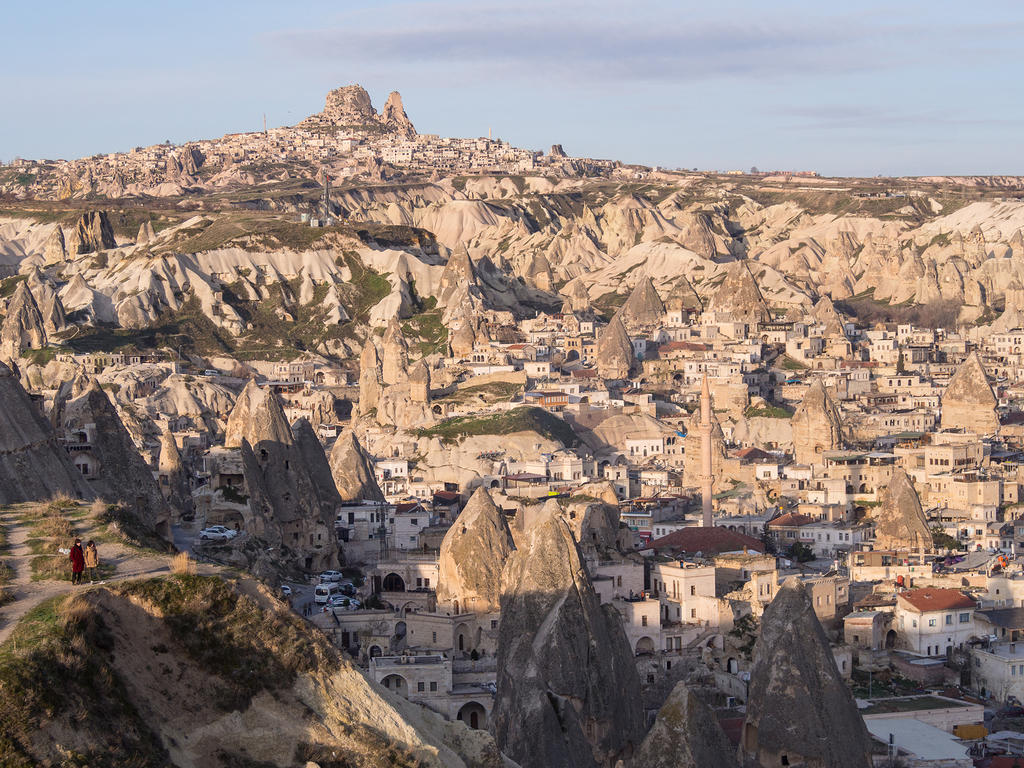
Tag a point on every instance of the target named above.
point(949, 618)
point(426, 582)
point(965, 618)
point(693, 589)
point(433, 638)
point(643, 621)
point(693, 613)
point(494, 623)
point(433, 686)
point(420, 687)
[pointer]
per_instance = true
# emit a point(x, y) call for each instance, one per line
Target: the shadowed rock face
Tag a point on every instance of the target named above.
point(685, 734)
point(968, 402)
point(900, 522)
point(353, 471)
point(817, 426)
point(798, 705)
point(23, 326)
point(568, 692)
point(176, 490)
point(473, 555)
point(122, 474)
point(93, 233)
point(33, 466)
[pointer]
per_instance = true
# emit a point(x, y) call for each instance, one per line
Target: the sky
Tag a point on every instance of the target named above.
point(848, 89)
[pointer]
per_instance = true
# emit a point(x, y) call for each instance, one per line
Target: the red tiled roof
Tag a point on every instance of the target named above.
point(790, 518)
point(447, 496)
point(710, 541)
point(753, 454)
point(930, 599)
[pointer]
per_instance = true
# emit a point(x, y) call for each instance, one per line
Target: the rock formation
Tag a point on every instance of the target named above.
point(54, 250)
point(615, 356)
point(685, 734)
point(23, 326)
point(473, 554)
point(146, 233)
point(684, 297)
point(968, 402)
point(825, 313)
point(173, 477)
point(799, 709)
point(370, 378)
point(739, 297)
point(117, 471)
point(33, 465)
point(568, 690)
point(817, 425)
point(419, 383)
point(644, 305)
point(352, 470)
point(395, 363)
point(394, 118)
point(93, 233)
point(314, 459)
point(900, 522)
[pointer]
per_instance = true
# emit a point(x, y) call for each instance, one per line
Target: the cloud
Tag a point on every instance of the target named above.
point(599, 42)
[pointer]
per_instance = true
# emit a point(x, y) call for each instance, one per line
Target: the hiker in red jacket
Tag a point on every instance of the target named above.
point(77, 562)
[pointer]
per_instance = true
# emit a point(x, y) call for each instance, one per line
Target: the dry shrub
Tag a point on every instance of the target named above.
point(183, 564)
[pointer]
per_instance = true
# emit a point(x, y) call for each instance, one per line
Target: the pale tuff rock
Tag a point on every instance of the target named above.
point(394, 367)
point(394, 118)
point(577, 297)
point(615, 356)
point(419, 383)
point(697, 235)
point(50, 306)
point(900, 522)
point(568, 691)
point(242, 421)
point(352, 470)
point(23, 326)
point(968, 402)
point(370, 378)
point(54, 251)
point(458, 277)
point(94, 233)
point(799, 709)
point(173, 478)
point(683, 297)
point(739, 297)
point(314, 460)
point(685, 734)
point(825, 313)
point(119, 474)
point(146, 233)
point(463, 340)
point(644, 305)
point(33, 465)
point(817, 425)
point(473, 553)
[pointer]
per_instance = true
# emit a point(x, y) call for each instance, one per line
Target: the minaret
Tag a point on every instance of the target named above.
point(707, 479)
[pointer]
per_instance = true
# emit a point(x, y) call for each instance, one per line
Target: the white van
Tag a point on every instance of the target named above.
point(324, 592)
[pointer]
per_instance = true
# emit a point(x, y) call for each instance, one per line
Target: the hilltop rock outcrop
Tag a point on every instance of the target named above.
point(817, 425)
point(799, 709)
point(900, 522)
point(568, 690)
point(352, 470)
point(33, 465)
point(473, 554)
point(119, 473)
point(968, 402)
point(173, 477)
point(394, 118)
point(685, 734)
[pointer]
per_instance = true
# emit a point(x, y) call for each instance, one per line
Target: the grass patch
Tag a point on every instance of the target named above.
point(426, 329)
point(768, 412)
point(788, 363)
point(523, 419)
point(494, 392)
point(10, 284)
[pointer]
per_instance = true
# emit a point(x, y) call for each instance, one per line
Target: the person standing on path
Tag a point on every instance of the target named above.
point(77, 557)
point(92, 560)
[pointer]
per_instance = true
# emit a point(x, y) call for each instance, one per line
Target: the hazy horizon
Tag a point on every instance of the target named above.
point(924, 89)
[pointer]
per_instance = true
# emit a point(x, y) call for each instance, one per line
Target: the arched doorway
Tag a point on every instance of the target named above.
point(462, 638)
point(375, 651)
point(644, 646)
point(890, 638)
point(400, 629)
point(474, 715)
point(397, 684)
point(732, 666)
point(394, 583)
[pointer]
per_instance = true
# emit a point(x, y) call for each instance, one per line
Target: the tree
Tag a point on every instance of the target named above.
point(800, 552)
point(942, 540)
point(753, 170)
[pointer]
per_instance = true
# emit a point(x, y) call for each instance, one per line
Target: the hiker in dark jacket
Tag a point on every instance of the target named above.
point(77, 557)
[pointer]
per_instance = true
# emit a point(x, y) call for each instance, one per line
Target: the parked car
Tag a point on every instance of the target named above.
point(286, 591)
point(217, 533)
point(347, 603)
point(328, 577)
point(325, 592)
point(348, 588)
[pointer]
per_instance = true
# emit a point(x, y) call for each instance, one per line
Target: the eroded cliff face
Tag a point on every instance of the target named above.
point(685, 734)
point(799, 709)
point(194, 672)
point(568, 691)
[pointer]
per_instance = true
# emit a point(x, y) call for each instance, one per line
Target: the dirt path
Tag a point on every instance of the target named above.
point(129, 564)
